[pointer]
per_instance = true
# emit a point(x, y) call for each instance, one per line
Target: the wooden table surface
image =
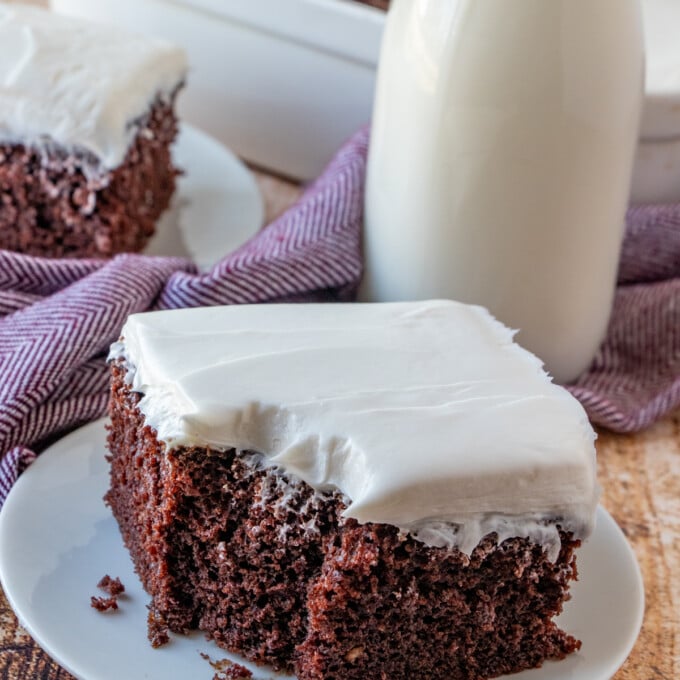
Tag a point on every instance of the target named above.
point(640, 476)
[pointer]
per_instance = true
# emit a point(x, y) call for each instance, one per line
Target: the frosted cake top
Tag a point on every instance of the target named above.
point(425, 415)
point(80, 85)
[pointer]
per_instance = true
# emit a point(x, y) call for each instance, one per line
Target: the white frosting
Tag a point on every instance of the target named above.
point(425, 415)
point(77, 84)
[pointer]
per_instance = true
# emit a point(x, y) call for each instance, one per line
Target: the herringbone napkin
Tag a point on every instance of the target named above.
point(57, 318)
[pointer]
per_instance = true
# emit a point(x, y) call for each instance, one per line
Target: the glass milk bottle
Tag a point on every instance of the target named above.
point(500, 161)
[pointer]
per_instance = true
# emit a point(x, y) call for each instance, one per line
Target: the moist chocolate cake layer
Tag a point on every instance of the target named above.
point(269, 568)
point(52, 205)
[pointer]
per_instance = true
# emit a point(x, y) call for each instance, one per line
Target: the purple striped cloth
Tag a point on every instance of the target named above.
point(57, 317)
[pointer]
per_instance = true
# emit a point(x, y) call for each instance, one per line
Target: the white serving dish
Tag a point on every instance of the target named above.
point(661, 117)
point(656, 177)
point(281, 82)
point(285, 82)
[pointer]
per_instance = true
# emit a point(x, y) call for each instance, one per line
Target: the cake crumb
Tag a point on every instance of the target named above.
point(157, 629)
point(103, 604)
point(219, 665)
point(112, 586)
point(234, 672)
point(226, 669)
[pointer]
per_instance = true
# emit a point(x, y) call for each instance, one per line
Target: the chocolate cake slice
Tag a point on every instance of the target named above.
point(388, 491)
point(86, 123)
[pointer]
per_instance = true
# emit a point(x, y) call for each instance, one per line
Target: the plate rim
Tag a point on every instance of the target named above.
point(236, 179)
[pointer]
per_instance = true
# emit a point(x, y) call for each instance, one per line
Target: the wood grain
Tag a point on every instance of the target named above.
point(640, 477)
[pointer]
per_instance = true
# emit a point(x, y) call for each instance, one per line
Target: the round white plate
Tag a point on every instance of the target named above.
point(57, 539)
point(217, 206)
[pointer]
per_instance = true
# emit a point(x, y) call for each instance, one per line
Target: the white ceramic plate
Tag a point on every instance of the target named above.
point(216, 208)
point(57, 539)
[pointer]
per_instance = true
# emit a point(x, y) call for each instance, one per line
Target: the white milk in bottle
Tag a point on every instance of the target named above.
point(500, 161)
